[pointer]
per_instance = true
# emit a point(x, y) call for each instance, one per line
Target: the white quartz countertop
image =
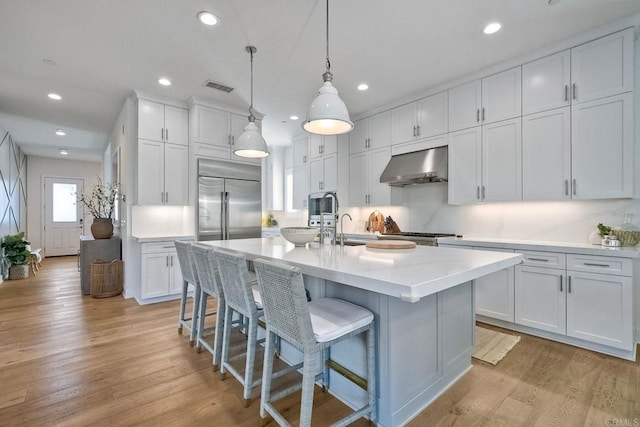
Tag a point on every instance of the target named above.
point(536, 245)
point(408, 274)
point(153, 239)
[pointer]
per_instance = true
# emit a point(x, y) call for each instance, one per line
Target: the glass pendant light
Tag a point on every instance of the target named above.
point(251, 143)
point(328, 115)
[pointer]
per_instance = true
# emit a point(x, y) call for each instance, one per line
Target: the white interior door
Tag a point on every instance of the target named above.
point(63, 222)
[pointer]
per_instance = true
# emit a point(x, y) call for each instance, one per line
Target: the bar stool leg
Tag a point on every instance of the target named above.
point(218, 335)
point(371, 373)
point(183, 306)
point(226, 341)
point(267, 372)
point(202, 311)
point(194, 317)
point(309, 370)
point(252, 335)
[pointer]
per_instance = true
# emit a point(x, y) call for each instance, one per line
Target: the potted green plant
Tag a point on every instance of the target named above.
point(16, 252)
point(101, 204)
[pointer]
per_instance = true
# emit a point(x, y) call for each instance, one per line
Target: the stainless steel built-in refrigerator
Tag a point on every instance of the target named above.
point(229, 200)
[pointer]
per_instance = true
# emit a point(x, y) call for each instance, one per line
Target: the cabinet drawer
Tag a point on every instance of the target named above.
point(544, 259)
point(157, 247)
point(599, 264)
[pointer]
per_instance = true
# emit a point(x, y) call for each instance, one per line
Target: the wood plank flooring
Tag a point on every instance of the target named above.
point(70, 360)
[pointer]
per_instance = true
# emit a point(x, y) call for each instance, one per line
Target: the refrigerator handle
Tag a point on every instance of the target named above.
point(223, 214)
point(226, 215)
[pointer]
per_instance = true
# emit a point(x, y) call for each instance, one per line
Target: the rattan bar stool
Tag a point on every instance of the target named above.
point(311, 327)
point(242, 297)
point(189, 277)
point(209, 278)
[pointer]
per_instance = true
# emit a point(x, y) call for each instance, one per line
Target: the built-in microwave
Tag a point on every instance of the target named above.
point(322, 209)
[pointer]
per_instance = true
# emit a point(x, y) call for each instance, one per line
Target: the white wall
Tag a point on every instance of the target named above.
point(40, 167)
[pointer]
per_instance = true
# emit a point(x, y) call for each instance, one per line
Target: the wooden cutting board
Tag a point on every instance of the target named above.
point(391, 244)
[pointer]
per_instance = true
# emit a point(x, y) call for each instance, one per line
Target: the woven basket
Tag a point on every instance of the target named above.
point(18, 271)
point(106, 278)
point(627, 237)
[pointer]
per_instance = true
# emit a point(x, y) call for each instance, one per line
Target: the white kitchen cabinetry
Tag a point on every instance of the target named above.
point(421, 119)
point(162, 173)
point(602, 137)
point(603, 67)
point(300, 150)
point(160, 273)
point(163, 123)
point(300, 187)
point(485, 163)
point(546, 83)
point(494, 98)
point(371, 133)
point(365, 169)
point(323, 174)
point(273, 180)
point(215, 132)
point(546, 155)
point(494, 292)
point(540, 299)
point(465, 166)
point(320, 146)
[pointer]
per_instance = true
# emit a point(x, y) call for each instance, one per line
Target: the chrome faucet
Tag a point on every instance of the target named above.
point(341, 229)
point(322, 227)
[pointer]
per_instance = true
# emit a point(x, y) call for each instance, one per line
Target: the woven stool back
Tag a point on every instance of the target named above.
point(206, 269)
point(187, 266)
point(235, 283)
point(284, 302)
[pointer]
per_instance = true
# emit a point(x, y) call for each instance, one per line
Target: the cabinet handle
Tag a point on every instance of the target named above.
point(166, 134)
point(229, 139)
point(566, 187)
point(418, 127)
point(166, 197)
point(560, 283)
point(478, 115)
point(566, 92)
point(478, 192)
point(593, 264)
point(483, 193)
point(166, 260)
point(161, 134)
point(569, 284)
point(304, 159)
point(575, 91)
point(539, 259)
point(574, 186)
point(233, 140)
point(414, 131)
point(171, 260)
point(162, 197)
point(369, 198)
point(483, 113)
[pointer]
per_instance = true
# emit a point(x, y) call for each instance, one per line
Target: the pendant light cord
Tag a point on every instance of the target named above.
point(251, 106)
point(328, 61)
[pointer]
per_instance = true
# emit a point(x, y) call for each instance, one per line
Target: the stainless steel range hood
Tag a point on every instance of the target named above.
point(417, 167)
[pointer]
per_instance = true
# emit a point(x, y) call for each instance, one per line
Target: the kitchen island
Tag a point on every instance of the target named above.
point(422, 298)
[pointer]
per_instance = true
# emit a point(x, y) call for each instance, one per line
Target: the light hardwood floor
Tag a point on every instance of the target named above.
point(71, 360)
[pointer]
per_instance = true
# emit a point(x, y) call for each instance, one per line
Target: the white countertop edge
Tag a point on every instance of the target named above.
point(149, 239)
point(540, 245)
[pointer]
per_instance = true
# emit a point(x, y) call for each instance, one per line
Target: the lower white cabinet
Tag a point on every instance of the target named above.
point(540, 300)
point(494, 292)
point(160, 272)
point(600, 308)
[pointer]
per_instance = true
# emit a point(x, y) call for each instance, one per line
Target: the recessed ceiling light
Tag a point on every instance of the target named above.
point(63, 152)
point(164, 81)
point(208, 18)
point(60, 132)
point(55, 96)
point(49, 61)
point(363, 86)
point(492, 28)
point(293, 117)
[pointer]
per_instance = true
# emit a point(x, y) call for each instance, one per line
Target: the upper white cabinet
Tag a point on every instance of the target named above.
point(300, 146)
point(371, 133)
point(502, 161)
point(465, 166)
point(163, 123)
point(546, 83)
point(494, 98)
point(162, 170)
point(546, 155)
point(365, 169)
point(602, 148)
point(603, 67)
point(215, 131)
point(300, 187)
point(323, 174)
point(421, 119)
point(320, 145)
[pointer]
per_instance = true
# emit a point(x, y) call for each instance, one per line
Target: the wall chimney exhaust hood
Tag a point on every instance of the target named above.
point(417, 167)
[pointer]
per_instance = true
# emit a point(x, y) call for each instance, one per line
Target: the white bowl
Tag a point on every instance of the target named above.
point(299, 236)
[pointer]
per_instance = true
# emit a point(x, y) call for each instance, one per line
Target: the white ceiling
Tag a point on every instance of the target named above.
point(105, 48)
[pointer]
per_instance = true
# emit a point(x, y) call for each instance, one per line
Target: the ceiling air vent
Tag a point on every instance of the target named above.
point(218, 86)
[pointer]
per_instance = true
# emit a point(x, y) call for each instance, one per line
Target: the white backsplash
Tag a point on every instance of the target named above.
point(160, 221)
